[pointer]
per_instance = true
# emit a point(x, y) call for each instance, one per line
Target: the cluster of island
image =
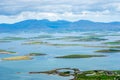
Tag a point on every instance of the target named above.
point(108, 47)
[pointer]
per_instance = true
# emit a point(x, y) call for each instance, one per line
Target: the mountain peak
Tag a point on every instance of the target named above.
point(60, 25)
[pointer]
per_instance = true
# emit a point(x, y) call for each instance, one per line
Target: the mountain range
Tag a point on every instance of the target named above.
point(59, 26)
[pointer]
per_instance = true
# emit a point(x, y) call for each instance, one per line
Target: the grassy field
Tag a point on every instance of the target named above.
point(98, 75)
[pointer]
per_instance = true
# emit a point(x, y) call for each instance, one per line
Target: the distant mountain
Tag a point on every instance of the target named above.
point(58, 26)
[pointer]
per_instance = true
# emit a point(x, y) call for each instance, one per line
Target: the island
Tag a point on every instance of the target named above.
point(80, 56)
point(36, 54)
point(108, 51)
point(80, 38)
point(34, 42)
point(83, 75)
point(113, 43)
point(6, 52)
point(17, 58)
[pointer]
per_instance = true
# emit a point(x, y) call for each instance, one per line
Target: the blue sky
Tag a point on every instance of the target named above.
point(12, 11)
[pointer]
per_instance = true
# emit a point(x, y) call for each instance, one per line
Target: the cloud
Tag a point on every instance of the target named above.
point(86, 15)
point(17, 10)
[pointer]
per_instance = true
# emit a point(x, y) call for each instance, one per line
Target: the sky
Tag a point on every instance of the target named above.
point(12, 11)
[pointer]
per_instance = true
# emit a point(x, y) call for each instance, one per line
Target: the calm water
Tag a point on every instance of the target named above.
point(9, 69)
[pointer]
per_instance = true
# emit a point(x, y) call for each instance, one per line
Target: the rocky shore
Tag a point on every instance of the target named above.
point(83, 75)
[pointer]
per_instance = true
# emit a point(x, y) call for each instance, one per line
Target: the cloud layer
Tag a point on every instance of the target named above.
point(97, 10)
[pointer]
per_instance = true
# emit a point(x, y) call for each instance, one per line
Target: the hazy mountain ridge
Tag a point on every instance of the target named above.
point(60, 25)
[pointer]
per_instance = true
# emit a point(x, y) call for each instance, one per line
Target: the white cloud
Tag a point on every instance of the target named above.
point(86, 15)
point(97, 10)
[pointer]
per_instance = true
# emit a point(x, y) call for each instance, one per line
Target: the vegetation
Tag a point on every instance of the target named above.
point(42, 36)
point(49, 44)
point(34, 42)
point(81, 38)
point(80, 56)
point(64, 44)
point(59, 71)
point(108, 51)
point(4, 41)
point(101, 46)
point(113, 43)
point(83, 75)
point(36, 54)
point(17, 58)
point(12, 38)
point(6, 52)
point(98, 75)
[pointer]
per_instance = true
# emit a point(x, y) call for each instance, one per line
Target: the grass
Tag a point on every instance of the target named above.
point(101, 77)
point(17, 58)
point(108, 51)
point(80, 56)
point(98, 75)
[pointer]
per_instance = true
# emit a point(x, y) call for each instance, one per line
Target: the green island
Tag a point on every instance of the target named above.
point(113, 43)
point(34, 42)
point(49, 44)
point(83, 75)
point(36, 54)
point(80, 38)
point(63, 45)
point(108, 51)
point(6, 52)
point(98, 75)
point(80, 56)
point(100, 46)
point(4, 41)
point(17, 58)
point(42, 36)
point(12, 38)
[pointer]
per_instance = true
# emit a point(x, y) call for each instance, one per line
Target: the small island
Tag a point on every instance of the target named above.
point(80, 38)
point(12, 38)
point(34, 43)
point(36, 54)
point(48, 44)
point(113, 43)
point(4, 41)
point(6, 52)
point(63, 45)
point(17, 58)
point(80, 56)
point(108, 51)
